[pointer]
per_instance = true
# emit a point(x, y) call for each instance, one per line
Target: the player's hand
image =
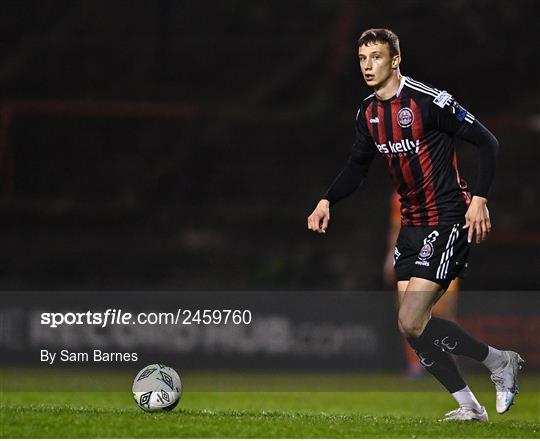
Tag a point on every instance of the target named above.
point(318, 220)
point(477, 219)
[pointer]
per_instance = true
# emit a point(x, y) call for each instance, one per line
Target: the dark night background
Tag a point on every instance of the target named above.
point(181, 144)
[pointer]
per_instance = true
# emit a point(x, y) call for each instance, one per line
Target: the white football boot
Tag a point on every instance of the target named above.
point(467, 414)
point(505, 380)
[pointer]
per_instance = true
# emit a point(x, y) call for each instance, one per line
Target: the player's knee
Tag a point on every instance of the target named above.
point(410, 326)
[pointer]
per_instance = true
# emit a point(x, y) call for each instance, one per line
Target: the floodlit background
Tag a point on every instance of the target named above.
point(180, 145)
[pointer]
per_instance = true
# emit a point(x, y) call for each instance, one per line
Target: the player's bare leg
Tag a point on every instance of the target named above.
point(446, 308)
point(416, 300)
point(415, 305)
point(432, 336)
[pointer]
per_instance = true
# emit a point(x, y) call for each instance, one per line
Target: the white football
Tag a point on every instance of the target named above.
point(157, 387)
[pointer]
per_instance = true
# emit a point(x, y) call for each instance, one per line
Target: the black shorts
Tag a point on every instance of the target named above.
point(436, 253)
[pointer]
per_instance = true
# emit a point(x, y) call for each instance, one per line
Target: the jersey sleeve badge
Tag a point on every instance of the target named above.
point(444, 99)
point(459, 111)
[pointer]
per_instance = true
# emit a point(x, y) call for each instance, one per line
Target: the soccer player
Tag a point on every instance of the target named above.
point(412, 125)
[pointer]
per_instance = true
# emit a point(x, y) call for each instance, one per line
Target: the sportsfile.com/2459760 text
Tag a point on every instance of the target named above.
point(111, 317)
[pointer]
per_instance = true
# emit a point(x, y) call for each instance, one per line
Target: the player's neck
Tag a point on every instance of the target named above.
point(389, 88)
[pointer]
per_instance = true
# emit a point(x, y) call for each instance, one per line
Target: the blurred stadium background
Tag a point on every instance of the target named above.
point(178, 145)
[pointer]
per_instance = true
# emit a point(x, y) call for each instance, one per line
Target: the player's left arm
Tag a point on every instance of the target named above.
point(477, 216)
point(453, 119)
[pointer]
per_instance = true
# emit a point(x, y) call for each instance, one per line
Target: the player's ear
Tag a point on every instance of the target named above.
point(396, 59)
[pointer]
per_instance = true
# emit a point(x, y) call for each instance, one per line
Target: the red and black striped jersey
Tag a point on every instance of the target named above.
point(414, 132)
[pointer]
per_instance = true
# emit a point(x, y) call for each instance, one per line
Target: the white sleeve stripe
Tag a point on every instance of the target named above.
point(422, 85)
point(419, 83)
point(422, 89)
point(434, 95)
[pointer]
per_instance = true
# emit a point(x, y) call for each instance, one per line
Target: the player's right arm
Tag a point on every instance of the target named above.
point(349, 179)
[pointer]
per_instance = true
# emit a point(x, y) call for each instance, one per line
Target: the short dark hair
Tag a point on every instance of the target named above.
point(381, 36)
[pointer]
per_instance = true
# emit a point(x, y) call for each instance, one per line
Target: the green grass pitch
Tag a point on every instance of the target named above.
point(290, 405)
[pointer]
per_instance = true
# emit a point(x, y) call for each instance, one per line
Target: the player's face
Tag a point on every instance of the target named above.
point(376, 63)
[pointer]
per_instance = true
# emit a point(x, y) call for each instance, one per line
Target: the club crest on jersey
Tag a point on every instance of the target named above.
point(405, 117)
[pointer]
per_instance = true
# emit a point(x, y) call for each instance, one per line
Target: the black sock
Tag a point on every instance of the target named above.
point(449, 337)
point(439, 364)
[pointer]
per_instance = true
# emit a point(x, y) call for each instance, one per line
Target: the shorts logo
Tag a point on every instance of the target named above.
point(426, 252)
point(427, 249)
point(405, 117)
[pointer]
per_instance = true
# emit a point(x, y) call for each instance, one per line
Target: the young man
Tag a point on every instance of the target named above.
point(412, 125)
